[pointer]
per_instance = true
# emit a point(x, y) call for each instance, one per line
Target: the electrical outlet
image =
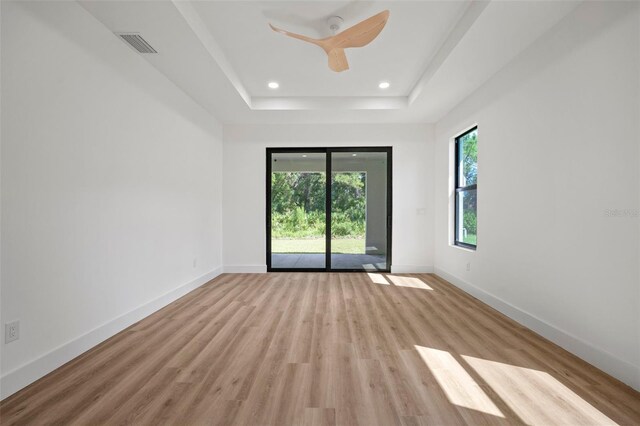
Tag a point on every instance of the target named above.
point(195, 262)
point(468, 266)
point(11, 331)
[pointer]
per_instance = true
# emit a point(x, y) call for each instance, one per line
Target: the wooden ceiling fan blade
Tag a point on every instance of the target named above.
point(362, 33)
point(338, 60)
point(358, 35)
point(298, 36)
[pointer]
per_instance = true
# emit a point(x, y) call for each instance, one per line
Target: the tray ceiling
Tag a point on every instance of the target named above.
point(433, 54)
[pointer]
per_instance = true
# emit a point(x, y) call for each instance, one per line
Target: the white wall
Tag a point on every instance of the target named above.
point(244, 186)
point(558, 147)
point(111, 187)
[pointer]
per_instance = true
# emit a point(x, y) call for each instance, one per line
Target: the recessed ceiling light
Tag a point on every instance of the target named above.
point(273, 85)
point(384, 85)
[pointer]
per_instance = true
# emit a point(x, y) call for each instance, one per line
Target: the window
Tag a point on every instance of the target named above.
point(466, 197)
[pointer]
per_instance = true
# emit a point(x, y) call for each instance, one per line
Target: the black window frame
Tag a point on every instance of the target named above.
point(328, 151)
point(459, 189)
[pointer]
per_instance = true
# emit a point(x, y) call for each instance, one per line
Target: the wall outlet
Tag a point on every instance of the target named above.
point(195, 262)
point(11, 331)
point(468, 266)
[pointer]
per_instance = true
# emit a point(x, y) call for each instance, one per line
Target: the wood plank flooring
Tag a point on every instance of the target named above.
point(325, 349)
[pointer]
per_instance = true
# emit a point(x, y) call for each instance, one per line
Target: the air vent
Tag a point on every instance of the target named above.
point(137, 42)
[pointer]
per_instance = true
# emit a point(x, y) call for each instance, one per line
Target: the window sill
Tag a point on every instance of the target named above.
point(469, 249)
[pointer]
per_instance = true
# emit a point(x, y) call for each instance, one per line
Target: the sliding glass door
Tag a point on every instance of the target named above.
point(297, 226)
point(359, 210)
point(329, 209)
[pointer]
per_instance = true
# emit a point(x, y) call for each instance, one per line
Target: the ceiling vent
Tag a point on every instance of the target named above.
point(137, 42)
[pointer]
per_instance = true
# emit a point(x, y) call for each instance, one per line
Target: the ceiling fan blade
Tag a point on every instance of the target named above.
point(338, 60)
point(360, 34)
point(298, 36)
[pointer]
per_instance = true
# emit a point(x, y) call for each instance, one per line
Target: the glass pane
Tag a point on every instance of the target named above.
point(359, 210)
point(468, 157)
point(298, 216)
point(467, 218)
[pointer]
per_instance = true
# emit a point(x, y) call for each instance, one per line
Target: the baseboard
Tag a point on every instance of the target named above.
point(609, 363)
point(411, 269)
point(28, 373)
point(245, 269)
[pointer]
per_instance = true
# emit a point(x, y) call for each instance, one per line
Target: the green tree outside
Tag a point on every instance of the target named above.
point(298, 209)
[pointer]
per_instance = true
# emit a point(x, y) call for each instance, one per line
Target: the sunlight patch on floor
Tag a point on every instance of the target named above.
point(457, 384)
point(519, 386)
point(378, 279)
point(412, 282)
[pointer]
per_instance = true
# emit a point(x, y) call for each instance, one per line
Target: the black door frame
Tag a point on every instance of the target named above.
point(328, 151)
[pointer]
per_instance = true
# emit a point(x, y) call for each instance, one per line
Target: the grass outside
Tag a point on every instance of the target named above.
point(317, 245)
point(470, 239)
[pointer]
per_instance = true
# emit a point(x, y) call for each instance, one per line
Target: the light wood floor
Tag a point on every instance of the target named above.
point(325, 349)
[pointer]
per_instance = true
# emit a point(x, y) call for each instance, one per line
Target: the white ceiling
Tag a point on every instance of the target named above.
point(398, 55)
point(434, 54)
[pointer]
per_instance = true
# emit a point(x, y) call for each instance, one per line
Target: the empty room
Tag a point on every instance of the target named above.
point(320, 212)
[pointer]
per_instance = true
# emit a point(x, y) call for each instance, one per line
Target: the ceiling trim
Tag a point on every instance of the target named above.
point(329, 102)
point(466, 21)
point(199, 28)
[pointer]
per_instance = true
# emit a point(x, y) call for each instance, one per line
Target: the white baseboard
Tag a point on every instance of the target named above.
point(31, 371)
point(411, 269)
point(22, 376)
point(609, 363)
point(245, 269)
